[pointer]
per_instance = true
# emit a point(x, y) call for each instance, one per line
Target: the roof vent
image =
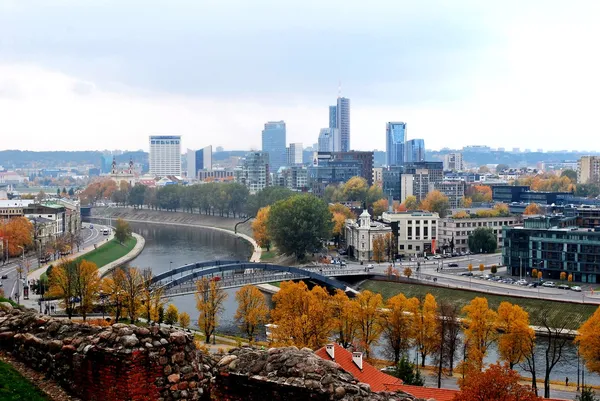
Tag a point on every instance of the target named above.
point(357, 358)
point(330, 351)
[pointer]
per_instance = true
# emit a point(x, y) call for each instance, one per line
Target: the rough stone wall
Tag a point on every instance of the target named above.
point(121, 362)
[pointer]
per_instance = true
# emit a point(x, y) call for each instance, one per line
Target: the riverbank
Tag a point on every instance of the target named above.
point(140, 242)
point(182, 219)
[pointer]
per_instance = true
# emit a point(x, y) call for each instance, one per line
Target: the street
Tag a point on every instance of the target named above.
point(12, 287)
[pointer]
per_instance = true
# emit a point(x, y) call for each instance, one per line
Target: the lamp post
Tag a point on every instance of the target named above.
point(102, 301)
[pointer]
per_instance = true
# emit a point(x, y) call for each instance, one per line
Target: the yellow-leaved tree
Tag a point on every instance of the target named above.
point(379, 207)
point(355, 189)
point(172, 315)
point(209, 302)
point(379, 248)
point(369, 319)
point(588, 341)
point(344, 311)
point(532, 208)
point(252, 310)
point(259, 228)
point(87, 286)
point(426, 333)
point(63, 282)
point(410, 203)
point(397, 321)
point(339, 220)
point(184, 320)
point(437, 202)
point(480, 332)
point(516, 336)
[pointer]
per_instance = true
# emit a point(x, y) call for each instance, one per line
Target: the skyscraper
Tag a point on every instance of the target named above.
point(294, 154)
point(198, 160)
point(414, 151)
point(395, 138)
point(254, 173)
point(165, 155)
point(329, 140)
point(273, 142)
point(343, 122)
point(332, 116)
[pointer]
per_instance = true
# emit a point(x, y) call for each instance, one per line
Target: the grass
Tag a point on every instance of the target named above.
point(572, 313)
point(13, 303)
point(270, 255)
point(109, 252)
point(14, 387)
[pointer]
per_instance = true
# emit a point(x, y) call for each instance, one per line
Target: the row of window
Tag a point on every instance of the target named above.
point(484, 224)
point(409, 222)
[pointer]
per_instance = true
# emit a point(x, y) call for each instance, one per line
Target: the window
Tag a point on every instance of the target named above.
point(409, 221)
point(418, 232)
point(409, 246)
point(409, 232)
point(425, 232)
point(402, 247)
point(417, 248)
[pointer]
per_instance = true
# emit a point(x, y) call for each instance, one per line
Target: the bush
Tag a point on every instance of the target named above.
point(172, 315)
point(494, 269)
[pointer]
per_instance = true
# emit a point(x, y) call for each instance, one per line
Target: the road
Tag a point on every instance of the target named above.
point(11, 285)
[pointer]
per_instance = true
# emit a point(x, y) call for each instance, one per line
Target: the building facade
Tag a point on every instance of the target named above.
point(294, 154)
point(454, 190)
point(453, 162)
point(329, 140)
point(333, 116)
point(198, 160)
point(294, 178)
point(417, 231)
point(414, 151)
point(360, 234)
point(588, 170)
point(395, 138)
point(217, 175)
point(273, 143)
point(425, 176)
point(343, 123)
point(454, 233)
point(165, 155)
point(254, 173)
point(377, 174)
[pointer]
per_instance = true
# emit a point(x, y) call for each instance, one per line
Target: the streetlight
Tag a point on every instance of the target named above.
point(102, 300)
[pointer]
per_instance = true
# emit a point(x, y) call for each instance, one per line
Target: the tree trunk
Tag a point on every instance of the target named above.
point(423, 355)
point(547, 384)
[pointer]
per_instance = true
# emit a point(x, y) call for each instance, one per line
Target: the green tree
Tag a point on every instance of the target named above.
point(374, 194)
point(71, 192)
point(266, 197)
point(587, 394)
point(299, 224)
point(483, 239)
point(408, 373)
point(356, 189)
point(410, 203)
point(122, 230)
point(501, 167)
point(136, 195)
point(570, 174)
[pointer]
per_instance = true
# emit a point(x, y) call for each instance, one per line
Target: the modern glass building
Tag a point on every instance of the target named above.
point(395, 137)
point(414, 151)
point(332, 116)
point(273, 142)
point(343, 122)
point(329, 140)
point(198, 160)
point(552, 245)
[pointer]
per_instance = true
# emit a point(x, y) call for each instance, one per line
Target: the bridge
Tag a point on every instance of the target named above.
point(231, 274)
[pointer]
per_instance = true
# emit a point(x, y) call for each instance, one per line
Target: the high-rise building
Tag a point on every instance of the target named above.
point(414, 151)
point(273, 142)
point(294, 154)
point(343, 122)
point(329, 140)
point(453, 162)
point(588, 170)
point(254, 173)
point(198, 160)
point(333, 117)
point(165, 155)
point(395, 137)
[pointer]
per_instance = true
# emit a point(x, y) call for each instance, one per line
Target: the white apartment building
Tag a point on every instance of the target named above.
point(453, 162)
point(294, 154)
point(417, 231)
point(460, 229)
point(165, 155)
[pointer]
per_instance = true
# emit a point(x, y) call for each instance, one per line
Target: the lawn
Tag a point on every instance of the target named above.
point(574, 314)
point(14, 387)
point(272, 254)
point(109, 252)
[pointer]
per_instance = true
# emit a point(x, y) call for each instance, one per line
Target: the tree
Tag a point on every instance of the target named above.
point(355, 189)
point(588, 341)
point(374, 194)
point(398, 320)
point(448, 329)
point(554, 327)
point(172, 315)
point(532, 208)
point(516, 335)
point(587, 394)
point(479, 193)
point(344, 313)
point(379, 207)
point(410, 203)
point(496, 383)
point(470, 267)
point(407, 272)
point(122, 230)
point(436, 202)
point(426, 335)
point(63, 284)
point(570, 278)
point(209, 302)
point(481, 267)
point(132, 283)
point(480, 330)
point(483, 239)
point(461, 215)
point(369, 319)
point(539, 276)
point(151, 295)
point(563, 276)
point(467, 202)
point(299, 224)
point(484, 169)
point(378, 248)
point(71, 192)
point(252, 310)
point(408, 373)
point(339, 221)
point(184, 320)
point(266, 197)
point(501, 167)
point(18, 231)
point(534, 273)
point(87, 285)
point(113, 288)
point(137, 195)
point(342, 209)
point(259, 228)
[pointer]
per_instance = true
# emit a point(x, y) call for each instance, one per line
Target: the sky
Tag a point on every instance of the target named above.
point(105, 74)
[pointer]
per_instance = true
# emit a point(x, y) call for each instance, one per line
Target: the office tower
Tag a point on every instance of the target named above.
point(588, 170)
point(343, 122)
point(414, 151)
point(273, 142)
point(453, 162)
point(294, 154)
point(333, 117)
point(165, 155)
point(395, 137)
point(198, 160)
point(254, 173)
point(329, 140)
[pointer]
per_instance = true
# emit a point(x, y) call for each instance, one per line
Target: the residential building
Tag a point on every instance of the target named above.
point(198, 160)
point(407, 186)
point(588, 170)
point(294, 154)
point(454, 233)
point(586, 216)
point(377, 174)
point(273, 143)
point(13, 208)
point(364, 159)
point(395, 138)
point(11, 177)
point(333, 117)
point(165, 155)
point(294, 178)
point(552, 245)
point(215, 175)
point(360, 234)
point(343, 122)
point(254, 173)
point(329, 140)
point(414, 151)
point(453, 162)
point(416, 232)
point(425, 176)
point(454, 190)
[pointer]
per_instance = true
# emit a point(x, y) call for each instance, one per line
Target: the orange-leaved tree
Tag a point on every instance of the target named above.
point(378, 248)
point(344, 312)
point(209, 302)
point(426, 333)
point(410, 203)
point(480, 331)
point(18, 231)
point(259, 228)
point(397, 320)
point(437, 202)
point(63, 284)
point(532, 208)
point(516, 336)
point(87, 285)
point(497, 383)
point(339, 220)
point(563, 276)
point(339, 208)
point(369, 319)
point(588, 341)
point(407, 272)
point(252, 310)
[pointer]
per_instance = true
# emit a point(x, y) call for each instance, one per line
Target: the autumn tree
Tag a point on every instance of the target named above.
point(342, 209)
point(18, 232)
point(132, 283)
point(152, 295)
point(398, 319)
point(479, 193)
point(379, 207)
point(184, 320)
point(209, 302)
point(466, 201)
point(374, 194)
point(259, 228)
point(339, 221)
point(355, 189)
point(369, 319)
point(588, 341)
point(63, 284)
point(172, 315)
point(410, 203)
point(554, 328)
point(87, 285)
point(496, 383)
point(532, 208)
point(515, 334)
point(448, 329)
point(344, 313)
point(436, 202)
point(426, 335)
point(252, 309)
point(122, 231)
point(461, 215)
point(408, 272)
point(112, 287)
point(480, 330)
point(378, 248)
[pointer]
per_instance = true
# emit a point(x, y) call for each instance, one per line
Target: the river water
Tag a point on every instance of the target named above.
point(175, 246)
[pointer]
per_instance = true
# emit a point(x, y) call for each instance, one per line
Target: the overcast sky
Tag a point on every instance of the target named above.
point(95, 74)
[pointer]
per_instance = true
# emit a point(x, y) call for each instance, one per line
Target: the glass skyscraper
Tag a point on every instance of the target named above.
point(343, 122)
point(273, 142)
point(414, 151)
point(395, 138)
point(332, 116)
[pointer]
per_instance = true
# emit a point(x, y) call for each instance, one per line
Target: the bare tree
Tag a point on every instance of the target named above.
point(448, 329)
point(554, 329)
point(529, 364)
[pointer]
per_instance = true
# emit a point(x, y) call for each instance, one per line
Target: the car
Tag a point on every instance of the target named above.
point(576, 288)
point(437, 257)
point(343, 263)
point(468, 274)
point(532, 285)
point(389, 369)
point(563, 287)
point(343, 252)
point(91, 226)
point(370, 266)
point(521, 282)
point(549, 284)
point(452, 264)
point(4, 277)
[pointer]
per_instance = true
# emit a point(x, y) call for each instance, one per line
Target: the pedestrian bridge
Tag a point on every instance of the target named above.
point(231, 274)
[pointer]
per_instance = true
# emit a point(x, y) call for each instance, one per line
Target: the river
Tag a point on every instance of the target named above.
point(182, 245)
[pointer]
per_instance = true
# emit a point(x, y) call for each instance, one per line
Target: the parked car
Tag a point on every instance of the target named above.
point(370, 266)
point(4, 277)
point(532, 285)
point(216, 278)
point(452, 264)
point(466, 274)
point(549, 284)
point(563, 287)
point(437, 257)
point(522, 282)
point(576, 288)
point(343, 263)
